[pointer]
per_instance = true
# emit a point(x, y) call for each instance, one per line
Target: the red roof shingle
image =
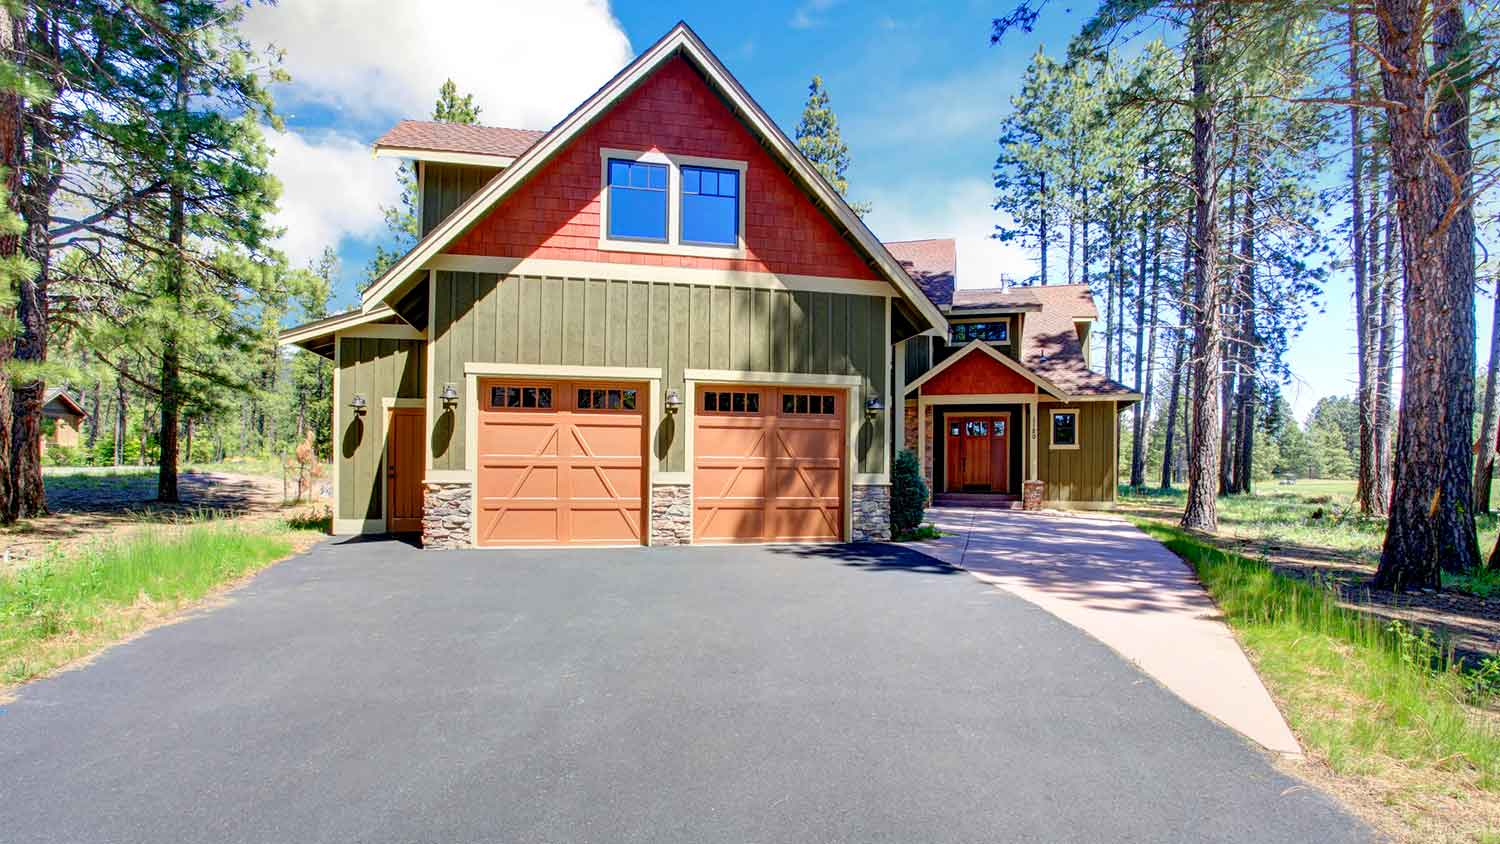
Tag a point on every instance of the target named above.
point(932, 264)
point(459, 137)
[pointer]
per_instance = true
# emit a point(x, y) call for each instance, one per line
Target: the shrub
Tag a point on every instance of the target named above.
point(908, 494)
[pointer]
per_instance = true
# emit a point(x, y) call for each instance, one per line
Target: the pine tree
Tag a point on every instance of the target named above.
point(820, 141)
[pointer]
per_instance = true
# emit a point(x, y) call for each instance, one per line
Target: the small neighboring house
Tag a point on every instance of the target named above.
point(62, 419)
point(656, 323)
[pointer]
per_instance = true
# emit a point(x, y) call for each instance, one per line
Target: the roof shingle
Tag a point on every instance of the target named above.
point(932, 264)
point(459, 137)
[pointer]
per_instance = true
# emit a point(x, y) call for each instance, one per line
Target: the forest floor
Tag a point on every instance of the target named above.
point(1311, 531)
point(85, 504)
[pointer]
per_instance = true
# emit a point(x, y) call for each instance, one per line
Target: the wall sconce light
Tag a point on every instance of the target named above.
point(449, 395)
point(358, 404)
point(874, 405)
point(673, 400)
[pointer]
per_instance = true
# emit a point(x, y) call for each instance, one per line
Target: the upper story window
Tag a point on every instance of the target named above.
point(637, 200)
point(997, 331)
point(710, 205)
point(659, 202)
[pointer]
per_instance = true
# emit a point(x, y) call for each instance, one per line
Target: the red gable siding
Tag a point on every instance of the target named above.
point(977, 373)
point(555, 214)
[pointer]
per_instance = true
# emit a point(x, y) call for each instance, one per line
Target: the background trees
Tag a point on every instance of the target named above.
point(1279, 142)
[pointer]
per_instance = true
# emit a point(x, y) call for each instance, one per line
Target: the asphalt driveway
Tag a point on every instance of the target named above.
point(370, 692)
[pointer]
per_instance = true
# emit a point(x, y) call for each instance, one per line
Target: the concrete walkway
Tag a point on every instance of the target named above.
point(1105, 577)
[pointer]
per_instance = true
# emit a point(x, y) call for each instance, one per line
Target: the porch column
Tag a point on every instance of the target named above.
point(1034, 423)
point(896, 401)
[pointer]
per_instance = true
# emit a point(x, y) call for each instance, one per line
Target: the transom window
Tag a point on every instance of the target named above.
point(637, 200)
point(606, 399)
point(804, 404)
point(710, 205)
point(1064, 429)
point(731, 401)
point(507, 396)
point(991, 332)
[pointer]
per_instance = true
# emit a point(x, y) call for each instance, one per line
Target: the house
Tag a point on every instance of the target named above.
point(656, 323)
point(62, 418)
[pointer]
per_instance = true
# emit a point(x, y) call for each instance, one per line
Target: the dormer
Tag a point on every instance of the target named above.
point(452, 160)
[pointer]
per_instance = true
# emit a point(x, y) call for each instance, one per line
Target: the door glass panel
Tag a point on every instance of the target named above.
point(528, 397)
point(953, 430)
point(739, 403)
point(724, 401)
point(828, 405)
point(976, 428)
point(630, 399)
point(512, 396)
point(544, 397)
point(999, 427)
point(710, 401)
point(614, 399)
point(585, 399)
point(752, 402)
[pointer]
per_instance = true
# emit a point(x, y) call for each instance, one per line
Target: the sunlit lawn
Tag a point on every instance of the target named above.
point(1315, 514)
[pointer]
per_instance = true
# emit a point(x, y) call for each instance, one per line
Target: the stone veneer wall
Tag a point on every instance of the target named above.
point(909, 428)
point(671, 514)
point(871, 513)
point(927, 451)
point(447, 517)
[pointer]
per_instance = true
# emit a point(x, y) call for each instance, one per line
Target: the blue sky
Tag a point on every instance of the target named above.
point(917, 88)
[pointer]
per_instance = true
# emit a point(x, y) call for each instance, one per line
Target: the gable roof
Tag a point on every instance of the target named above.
point(61, 395)
point(421, 138)
point(985, 348)
point(681, 40)
point(932, 264)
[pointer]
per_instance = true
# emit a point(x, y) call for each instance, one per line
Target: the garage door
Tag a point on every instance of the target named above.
point(767, 465)
point(560, 463)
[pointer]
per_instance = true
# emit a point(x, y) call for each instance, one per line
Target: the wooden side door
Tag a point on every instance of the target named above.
point(404, 464)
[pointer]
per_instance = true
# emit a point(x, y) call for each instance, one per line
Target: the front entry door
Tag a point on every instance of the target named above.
point(978, 453)
point(403, 471)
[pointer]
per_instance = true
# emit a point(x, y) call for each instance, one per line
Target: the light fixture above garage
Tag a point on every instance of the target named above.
point(449, 395)
point(673, 400)
point(358, 404)
point(874, 405)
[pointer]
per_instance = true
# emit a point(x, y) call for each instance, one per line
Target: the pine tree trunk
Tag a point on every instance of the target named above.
point(1431, 526)
point(1363, 391)
point(120, 423)
point(42, 177)
point(1087, 213)
point(171, 362)
point(1201, 511)
point(1249, 344)
point(94, 415)
point(1043, 211)
point(12, 149)
point(1386, 366)
point(1179, 352)
point(1138, 412)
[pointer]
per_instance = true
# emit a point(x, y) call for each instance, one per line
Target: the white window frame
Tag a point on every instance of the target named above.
point(1052, 428)
point(674, 244)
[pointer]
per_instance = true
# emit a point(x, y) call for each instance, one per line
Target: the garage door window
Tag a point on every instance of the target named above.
point(507, 397)
point(731, 401)
point(607, 399)
point(803, 404)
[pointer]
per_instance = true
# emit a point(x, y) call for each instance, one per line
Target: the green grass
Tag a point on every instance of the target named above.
point(66, 607)
point(1314, 514)
point(1373, 699)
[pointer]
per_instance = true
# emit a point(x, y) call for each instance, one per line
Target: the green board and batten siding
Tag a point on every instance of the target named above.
point(447, 186)
point(485, 318)
point(1086, 473)
point(376, 369)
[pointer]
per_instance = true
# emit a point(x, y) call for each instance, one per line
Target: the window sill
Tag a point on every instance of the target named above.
point(687, 250)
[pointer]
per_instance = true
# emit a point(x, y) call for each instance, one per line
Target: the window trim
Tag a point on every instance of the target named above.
point(1052, 413)
point(957, 344)
point(674, 245)
point(604, 201)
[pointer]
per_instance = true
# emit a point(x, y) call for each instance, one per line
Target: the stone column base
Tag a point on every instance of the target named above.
point(1031, 495)
point(871, 510)
point(671, 514)
point(447, 517)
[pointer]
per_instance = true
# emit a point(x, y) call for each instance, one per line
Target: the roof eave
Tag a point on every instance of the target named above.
point(439, 156)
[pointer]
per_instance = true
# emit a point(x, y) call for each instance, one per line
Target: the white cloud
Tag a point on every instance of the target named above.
point(332, 187)
point(810, 13)
point(961, 210)
point(527, 63)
